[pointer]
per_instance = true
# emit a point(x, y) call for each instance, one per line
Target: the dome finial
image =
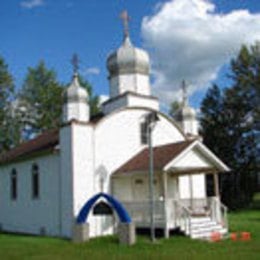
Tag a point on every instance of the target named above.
point(184, 93)
point(125, 18)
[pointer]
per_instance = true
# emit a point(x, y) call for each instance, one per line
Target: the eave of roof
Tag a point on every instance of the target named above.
point(42, 143)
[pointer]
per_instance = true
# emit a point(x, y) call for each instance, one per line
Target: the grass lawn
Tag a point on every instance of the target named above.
point(177, 247)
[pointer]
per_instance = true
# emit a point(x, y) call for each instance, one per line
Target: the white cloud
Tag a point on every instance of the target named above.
point(190, 41)
point(92, 71)
point(30, 4)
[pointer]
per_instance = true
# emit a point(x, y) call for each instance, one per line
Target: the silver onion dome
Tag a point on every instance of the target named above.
point(185, 113)
point(128, 60)
point(75, 93)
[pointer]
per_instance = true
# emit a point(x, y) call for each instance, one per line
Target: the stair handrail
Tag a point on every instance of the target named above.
point(219, 211)
point(186, 215)
point(224, 210)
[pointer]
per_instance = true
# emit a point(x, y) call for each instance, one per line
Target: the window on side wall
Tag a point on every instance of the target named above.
point(35, 182)
point(13, 187)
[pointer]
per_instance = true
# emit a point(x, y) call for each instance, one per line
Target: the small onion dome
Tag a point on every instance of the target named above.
point(75, 93)
point(185, 113)
point(128, 60)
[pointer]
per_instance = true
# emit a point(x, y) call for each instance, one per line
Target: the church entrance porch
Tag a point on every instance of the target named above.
point(180, 201)
point(180, 197)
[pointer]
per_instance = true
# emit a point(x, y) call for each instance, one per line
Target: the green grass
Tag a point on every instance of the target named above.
point(177, 247)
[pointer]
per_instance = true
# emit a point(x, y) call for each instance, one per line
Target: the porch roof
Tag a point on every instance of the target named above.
point(162, 156)
point(172, 158)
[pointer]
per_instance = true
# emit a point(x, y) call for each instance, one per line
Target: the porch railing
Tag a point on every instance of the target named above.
point(140, 211)
point(178, 213)
point(182, 216)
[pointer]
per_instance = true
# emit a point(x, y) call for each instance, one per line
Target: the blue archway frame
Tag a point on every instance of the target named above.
point(119, 208)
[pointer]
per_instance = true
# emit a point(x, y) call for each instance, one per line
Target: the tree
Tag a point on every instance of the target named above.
point(174, 107)
point(40, 100)
point(94, 102)
point(9, 130)
point(230, 127)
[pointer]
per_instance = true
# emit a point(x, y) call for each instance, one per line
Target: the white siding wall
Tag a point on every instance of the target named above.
point(26, 214)
point(136, 188)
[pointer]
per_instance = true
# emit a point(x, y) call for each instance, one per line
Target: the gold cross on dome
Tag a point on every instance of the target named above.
point(75, 63)
point(125, 18)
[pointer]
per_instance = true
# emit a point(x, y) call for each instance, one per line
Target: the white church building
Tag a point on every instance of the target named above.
point(45, 182)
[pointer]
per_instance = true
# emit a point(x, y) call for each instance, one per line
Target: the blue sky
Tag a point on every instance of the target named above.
point(32, 30)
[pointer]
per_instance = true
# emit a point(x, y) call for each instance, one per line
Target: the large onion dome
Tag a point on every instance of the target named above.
point(128, 60)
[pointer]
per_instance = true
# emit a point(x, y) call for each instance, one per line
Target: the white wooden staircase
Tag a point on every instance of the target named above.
point(202, 227)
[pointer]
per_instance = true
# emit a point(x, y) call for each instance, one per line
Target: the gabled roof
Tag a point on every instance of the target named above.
point(162, 156)
point(166, 157)
point(44, 142)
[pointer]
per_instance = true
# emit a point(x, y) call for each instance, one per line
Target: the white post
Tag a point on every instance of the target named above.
point(217, 194)
point(191, 191)
point(216, 185)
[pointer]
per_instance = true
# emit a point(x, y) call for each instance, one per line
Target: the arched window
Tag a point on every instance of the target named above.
point(35, 182)
point(13, 185)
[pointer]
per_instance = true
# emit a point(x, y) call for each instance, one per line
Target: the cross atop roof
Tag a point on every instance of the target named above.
point(125, 18)
point(75, 63)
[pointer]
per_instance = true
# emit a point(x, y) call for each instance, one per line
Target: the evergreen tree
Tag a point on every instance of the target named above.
point(174, 107)
point(40, 100)
point(9, 128)
point(230, 127)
